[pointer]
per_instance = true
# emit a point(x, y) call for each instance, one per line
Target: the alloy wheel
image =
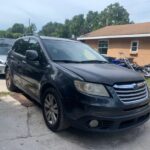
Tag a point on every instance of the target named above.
point(51, 109)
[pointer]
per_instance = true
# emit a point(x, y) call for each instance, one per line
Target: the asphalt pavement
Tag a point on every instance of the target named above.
point(22, 128)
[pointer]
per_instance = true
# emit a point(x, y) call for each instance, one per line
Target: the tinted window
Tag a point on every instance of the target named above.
point(34, 45)
point(6, 41)
point(4, 49)
point(21, 46)
point(70, 50)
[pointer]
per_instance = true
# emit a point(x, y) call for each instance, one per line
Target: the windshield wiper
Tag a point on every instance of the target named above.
point(67, 61)
point(85, 61)
point(94, 61)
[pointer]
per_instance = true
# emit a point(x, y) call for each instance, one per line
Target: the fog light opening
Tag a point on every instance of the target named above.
point(93, 123)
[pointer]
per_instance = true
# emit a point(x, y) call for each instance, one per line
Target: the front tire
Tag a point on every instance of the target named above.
point(53, 111)
point(9, 82)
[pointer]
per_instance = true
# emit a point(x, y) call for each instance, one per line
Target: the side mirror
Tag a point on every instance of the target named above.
point(32, 55)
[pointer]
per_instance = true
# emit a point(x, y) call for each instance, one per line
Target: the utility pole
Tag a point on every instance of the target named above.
point(29, 26)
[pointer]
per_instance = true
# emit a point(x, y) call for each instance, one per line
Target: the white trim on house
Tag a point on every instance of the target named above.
point(114, 36)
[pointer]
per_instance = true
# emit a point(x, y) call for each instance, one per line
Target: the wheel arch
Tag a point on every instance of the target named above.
point(46, 86)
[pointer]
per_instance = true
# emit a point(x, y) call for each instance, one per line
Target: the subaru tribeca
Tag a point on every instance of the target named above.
point(76, 86)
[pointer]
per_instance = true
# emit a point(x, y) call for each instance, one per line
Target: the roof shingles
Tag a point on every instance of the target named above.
point(128, 29)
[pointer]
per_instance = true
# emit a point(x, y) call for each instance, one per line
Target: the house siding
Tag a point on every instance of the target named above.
point(92, 43)
point(118, 46)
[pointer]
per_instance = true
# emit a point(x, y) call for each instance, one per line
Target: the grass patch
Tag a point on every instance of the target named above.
point(148, 82)
point(4, 94)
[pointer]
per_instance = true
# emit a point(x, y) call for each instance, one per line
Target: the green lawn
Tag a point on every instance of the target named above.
point(148, 82)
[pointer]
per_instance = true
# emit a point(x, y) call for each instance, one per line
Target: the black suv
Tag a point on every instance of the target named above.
point(76, 86)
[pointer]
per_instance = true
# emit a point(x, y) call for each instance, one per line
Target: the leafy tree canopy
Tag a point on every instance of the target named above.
point(114, 14)
point(53, 29)
point(17, 28)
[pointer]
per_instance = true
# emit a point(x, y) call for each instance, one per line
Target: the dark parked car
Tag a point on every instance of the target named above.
point(76, 86)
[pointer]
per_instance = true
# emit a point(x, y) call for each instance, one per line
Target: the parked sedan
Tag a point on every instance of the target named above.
point(5, 46)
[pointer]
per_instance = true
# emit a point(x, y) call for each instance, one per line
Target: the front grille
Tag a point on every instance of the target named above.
point(131, 92)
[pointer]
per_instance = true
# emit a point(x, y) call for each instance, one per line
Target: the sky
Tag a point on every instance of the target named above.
point(41, 12)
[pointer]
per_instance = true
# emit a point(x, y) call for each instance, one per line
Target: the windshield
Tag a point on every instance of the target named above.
point(4, 50)
point(71, 51)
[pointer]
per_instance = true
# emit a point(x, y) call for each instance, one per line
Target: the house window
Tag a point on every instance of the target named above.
point(103, 46)
point(134, 46)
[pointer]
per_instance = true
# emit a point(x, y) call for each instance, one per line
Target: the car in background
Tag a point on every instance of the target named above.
point(5, 46)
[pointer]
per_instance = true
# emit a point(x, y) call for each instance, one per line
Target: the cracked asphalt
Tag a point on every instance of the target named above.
point(22, 128)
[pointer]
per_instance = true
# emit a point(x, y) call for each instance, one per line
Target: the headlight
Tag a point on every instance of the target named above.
point(91, 88)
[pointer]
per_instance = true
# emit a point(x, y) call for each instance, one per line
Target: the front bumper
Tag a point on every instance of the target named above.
point(111, 113)
point(2, 69)
point(114, 122)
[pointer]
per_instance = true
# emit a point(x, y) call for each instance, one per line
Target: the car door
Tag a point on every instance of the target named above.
point(34, 70)
point(17, 57)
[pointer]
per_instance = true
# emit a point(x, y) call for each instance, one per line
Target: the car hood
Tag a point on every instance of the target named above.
point(3, 58)
point(103, 73)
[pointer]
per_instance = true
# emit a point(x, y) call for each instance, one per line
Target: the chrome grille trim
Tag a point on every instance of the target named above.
point(132, 92)
point(137, 98)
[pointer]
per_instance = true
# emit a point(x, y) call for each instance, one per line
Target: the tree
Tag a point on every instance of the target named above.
point(2, 33)
point(67, 29)
point(77, 25)
point(114, 14)
point(17, 28)
point(31, 29)
point(92, 21)
point(53, 29)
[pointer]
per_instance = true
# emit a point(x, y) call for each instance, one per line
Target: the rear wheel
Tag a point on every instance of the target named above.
point(9, 82)
point(53, 111)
